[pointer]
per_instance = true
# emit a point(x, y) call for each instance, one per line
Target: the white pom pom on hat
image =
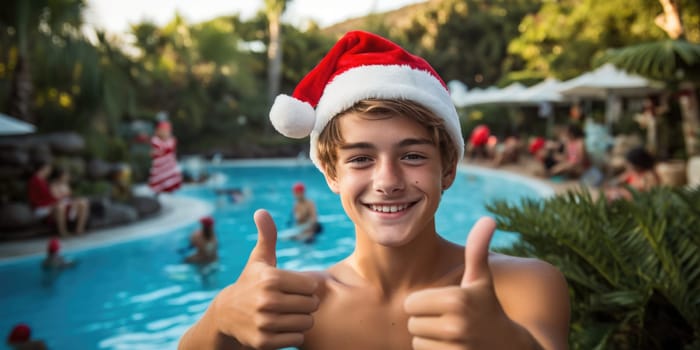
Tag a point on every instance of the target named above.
point(360, 66)
point(291, 117)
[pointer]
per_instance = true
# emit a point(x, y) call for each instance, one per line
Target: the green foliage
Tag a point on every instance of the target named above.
point(562, 37)
point(665, 60)
point(465, 40)
point(633, 267)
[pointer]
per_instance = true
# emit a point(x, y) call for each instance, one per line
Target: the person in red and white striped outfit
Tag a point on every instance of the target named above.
point(165, 173)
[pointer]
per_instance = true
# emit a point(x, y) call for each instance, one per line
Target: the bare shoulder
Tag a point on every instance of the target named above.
point(527, 276)
point(522, 269)
point(534, 294)
point(339, 274)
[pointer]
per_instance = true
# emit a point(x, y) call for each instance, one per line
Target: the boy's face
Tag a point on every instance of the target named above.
point(389, 176)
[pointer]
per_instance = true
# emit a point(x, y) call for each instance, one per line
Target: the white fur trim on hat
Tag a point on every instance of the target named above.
point(291, 117)
point(399, 82)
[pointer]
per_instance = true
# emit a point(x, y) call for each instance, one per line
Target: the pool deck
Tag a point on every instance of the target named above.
point(175, 213)
point(181, 211)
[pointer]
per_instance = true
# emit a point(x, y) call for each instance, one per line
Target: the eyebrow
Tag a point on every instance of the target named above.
point(403, 143)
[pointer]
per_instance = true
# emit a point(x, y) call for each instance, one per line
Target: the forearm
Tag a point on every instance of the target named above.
point(204, 335)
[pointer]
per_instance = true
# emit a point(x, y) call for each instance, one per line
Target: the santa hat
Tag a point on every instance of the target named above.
point(19, 334)
point(54, 246)
point(537, 144)
point(298, 187)
point(207, 221)
point(362, 66)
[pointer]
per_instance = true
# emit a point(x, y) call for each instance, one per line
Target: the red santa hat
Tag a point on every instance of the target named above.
point(54, 246)
point(362, 66)
point(298, 187)
point(207, 221)
point(20, 333)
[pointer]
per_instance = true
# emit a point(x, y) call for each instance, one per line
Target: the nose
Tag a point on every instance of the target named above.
point(388, 177)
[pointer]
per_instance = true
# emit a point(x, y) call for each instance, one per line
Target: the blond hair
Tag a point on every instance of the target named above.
point(331, 137)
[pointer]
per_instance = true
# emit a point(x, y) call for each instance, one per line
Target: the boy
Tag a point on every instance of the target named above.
point(386, 136)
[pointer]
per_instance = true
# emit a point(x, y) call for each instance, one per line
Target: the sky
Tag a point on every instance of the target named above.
point(116, 15)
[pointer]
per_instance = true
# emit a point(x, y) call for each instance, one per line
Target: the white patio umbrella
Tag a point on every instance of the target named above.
point(544, 91)
point(606, 80)
point(13, 126)
point(610, 84)
point(458, 91)
point(489, 95)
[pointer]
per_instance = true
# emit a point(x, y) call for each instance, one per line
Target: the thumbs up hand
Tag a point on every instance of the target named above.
point(266, 308)
point(468, 316)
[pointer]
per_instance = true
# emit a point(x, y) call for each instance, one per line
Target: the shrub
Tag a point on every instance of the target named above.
point(633, 267)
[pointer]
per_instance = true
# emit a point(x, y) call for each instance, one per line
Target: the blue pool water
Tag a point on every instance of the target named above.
point(138, 294)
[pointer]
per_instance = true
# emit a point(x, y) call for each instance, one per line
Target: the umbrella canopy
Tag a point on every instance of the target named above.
point(13, 126)
point(607, 80)
point(486, 96)
point(544, 91)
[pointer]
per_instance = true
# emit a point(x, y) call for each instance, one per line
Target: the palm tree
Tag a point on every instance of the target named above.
point(633, 266)
point(274, 10)
point(674, 60)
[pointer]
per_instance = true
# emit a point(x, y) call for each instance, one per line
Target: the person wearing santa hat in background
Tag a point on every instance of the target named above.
point(53, 259)
point(165, 174)
point(205, 243)
point(305, 215)
point(545, 152)
point(477, 145)
point(20, 338)
point(386, 136)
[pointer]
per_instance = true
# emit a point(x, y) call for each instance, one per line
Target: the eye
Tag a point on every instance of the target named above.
point(414, 158)
point(359, 160)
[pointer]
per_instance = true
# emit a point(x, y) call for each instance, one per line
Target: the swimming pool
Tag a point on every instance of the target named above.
point(138, 294)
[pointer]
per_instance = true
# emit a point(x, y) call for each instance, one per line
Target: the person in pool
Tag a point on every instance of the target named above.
point(204, 242)
point(20, 338)
point(305, 215)
point(54, 260)
point(386, 136)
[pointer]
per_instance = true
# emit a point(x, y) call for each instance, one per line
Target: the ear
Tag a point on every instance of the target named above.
point(448, 176)
point(332, 183)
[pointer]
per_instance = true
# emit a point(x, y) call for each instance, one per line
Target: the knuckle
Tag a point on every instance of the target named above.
point(457, 301)
point(262, 321)
point(264, 301)
point(261, 341)
point(269, 279)
point(306, 322)
point(455, 329)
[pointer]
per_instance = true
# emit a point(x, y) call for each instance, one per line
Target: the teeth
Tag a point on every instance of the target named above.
point(388, 208)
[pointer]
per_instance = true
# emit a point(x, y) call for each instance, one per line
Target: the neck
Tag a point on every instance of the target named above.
point(426, 261)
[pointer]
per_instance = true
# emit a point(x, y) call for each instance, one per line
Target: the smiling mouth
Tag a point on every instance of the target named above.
point(390, 208)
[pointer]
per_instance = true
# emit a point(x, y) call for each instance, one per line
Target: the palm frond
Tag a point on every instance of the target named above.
point(666, 60)
point(627, 262)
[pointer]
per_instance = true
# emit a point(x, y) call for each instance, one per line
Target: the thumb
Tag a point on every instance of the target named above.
point(264, 250)
point(476, 253)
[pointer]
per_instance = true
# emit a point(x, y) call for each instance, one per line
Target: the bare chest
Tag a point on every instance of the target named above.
point(357, 319)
